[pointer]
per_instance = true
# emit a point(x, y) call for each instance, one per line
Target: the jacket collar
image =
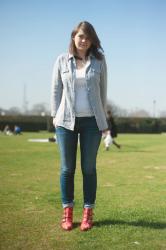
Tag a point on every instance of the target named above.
point(70, 56)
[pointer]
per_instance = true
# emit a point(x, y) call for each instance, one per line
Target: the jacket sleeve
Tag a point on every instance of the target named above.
point(56, 88)
point(103, 84)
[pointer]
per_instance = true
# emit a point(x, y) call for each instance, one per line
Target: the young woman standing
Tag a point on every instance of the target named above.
point(78, 103)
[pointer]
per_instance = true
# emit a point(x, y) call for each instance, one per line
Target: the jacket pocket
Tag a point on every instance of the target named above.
point(94, 78)
point(65, 75)
point(95, 73)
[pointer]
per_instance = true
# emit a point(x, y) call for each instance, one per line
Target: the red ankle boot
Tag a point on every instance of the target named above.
point(67, 221)
point(87, 221)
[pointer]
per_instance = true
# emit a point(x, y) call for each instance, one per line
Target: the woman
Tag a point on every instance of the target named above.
point(78, 102)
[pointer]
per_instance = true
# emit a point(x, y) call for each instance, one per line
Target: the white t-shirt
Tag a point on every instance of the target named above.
point(82, 105)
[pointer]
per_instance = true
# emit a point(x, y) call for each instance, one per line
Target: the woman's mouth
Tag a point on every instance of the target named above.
point(83, 45)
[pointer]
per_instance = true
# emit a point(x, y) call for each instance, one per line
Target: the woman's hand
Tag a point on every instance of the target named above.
point(104, 133)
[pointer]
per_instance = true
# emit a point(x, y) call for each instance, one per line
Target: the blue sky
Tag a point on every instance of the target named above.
point(132, 33)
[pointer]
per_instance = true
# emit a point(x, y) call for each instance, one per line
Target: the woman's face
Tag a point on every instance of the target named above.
point(81, 41)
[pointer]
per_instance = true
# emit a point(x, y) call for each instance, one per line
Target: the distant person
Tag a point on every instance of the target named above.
point(7, 130)
point(17, 130)
point(52, 139)
point(79, 89)
point(112, 133)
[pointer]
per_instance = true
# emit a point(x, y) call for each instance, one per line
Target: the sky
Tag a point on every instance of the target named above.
point(132, 34)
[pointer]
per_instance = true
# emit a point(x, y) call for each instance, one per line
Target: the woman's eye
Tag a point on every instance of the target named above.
point(83, 37)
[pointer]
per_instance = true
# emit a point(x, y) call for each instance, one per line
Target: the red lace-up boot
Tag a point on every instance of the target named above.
point(87, 221)
point(67, 220)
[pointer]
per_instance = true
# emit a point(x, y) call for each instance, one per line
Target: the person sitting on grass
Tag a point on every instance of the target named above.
point(7, 130)
point(17, 130)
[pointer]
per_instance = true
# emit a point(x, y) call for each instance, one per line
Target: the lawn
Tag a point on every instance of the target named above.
point(130, 208)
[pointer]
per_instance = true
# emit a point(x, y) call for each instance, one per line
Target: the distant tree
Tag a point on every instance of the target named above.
point(39, 109)
point(13, 111)
point(163, 114)
point(139, 113)
point(1, 110)
point(116, 110)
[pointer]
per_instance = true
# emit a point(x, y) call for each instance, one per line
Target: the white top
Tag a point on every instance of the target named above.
point(82, 105)
point(63, 94)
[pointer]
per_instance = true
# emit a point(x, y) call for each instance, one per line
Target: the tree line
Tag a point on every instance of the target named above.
point(42, 109)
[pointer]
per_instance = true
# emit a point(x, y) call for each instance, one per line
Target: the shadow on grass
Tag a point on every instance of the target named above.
point(76, 224)
point(139, 223)
point(133, 149)
point(136, 151)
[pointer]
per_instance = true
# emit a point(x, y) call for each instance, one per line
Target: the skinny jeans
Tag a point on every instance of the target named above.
point(86, 130)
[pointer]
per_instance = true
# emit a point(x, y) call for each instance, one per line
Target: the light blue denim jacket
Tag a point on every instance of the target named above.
point(63, 92)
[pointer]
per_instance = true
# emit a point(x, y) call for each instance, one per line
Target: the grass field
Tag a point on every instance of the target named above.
point(130, 208)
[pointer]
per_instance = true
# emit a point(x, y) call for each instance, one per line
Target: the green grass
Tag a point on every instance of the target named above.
point(130, 208)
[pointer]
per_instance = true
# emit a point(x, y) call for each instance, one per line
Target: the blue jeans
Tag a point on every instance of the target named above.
point(90, 138)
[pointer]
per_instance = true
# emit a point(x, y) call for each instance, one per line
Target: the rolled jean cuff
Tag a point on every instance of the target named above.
point(89, 205)
point(71, 204)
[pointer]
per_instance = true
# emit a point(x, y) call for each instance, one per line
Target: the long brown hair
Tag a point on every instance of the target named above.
point(89, 30)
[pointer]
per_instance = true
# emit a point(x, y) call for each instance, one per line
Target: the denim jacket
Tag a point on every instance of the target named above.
point(63, 91)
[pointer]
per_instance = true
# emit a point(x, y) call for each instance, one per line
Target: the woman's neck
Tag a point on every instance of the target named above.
point(81, 55)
